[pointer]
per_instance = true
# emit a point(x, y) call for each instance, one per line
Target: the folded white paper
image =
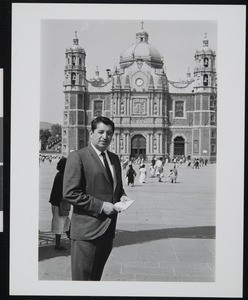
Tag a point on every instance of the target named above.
point(124, 203)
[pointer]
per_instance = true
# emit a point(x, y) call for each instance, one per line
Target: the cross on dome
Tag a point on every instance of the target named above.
point(142, 35)
point(142, 24)
point(97, 71)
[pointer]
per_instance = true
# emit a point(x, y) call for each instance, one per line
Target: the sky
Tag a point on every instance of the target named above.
point(104, 41)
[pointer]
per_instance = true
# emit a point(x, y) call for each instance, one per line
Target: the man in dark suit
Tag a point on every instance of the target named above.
point(93, 184)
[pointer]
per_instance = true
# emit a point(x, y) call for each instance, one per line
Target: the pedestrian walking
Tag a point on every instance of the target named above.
point(130, 175)
point(175, 174)
point(153, 161)
point(60, 208)
point(125, 163)
point(142, 177)
point(172, 176)
point(159, 169)
point(152, 171)
point(188, 163)
point(196, 164)
point(93, 184)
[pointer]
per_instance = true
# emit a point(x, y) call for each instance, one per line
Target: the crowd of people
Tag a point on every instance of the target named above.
point(48, 158)
point(135, 167)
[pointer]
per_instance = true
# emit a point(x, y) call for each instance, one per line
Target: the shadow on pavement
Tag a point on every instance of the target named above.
point(124, 238)
point(47, 243)
point(46, 252)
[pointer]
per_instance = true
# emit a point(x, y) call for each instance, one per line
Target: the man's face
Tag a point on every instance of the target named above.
point(101, 137)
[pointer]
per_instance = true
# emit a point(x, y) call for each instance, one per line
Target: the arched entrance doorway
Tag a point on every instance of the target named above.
point(138, 146)
point(179, 146)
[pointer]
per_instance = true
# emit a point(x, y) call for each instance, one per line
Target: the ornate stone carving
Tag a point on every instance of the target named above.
point(122, 108)
point(142, 120)
point(113, 107)
point(138, 120)
point(125, 120)
point(155, 143)
point(139, 106)
point(139, 63)
point(155, 108)
point(121, 142)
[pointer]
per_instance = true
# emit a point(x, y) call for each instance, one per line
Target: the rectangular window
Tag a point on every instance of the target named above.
point(212, 148)
point(211, 104)
point(179, 109)
point(196, 146)
point(97, 108)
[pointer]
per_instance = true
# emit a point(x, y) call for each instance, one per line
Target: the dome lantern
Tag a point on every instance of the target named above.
point(205, 41)
point(75, 40)
point(142, 36)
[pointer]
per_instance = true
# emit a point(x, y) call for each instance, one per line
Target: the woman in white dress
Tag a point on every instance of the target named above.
point(142, 170)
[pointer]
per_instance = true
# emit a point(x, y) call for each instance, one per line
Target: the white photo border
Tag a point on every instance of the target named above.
point(26, 22)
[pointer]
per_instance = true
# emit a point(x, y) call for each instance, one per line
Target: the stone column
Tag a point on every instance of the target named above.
point(158, 141)
point(151, 143)
point(148, 143)
point(118, 143)
point(161, 142)
point(128, 143)
point(115, 142)
point(124, 142)
point(118, 105)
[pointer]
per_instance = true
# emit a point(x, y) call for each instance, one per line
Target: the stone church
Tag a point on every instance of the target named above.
point(152, 115)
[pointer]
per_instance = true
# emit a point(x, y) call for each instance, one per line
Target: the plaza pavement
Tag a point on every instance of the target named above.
point(168, 234)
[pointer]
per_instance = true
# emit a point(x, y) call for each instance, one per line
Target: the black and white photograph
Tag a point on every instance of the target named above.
point(165, 132)
point(126, 164)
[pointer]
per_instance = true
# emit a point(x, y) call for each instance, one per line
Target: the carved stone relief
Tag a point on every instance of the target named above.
point(139, 106)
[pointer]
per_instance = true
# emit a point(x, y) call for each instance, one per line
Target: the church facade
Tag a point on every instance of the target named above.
point(152, 115)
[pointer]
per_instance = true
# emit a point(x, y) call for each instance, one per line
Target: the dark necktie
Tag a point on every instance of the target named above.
point(107, 168)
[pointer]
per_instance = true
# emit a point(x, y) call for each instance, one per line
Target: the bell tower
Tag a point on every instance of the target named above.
point(74, 125)
point(205, 103)
point(205, 72)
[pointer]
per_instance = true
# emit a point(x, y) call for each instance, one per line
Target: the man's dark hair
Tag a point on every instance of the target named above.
point(104, 120)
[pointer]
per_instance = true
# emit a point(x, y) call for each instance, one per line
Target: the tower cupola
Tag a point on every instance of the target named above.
point(204, 72)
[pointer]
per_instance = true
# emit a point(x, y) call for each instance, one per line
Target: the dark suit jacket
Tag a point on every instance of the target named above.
point(86, 186)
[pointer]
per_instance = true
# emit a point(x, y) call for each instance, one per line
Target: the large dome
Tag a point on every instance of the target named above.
point(141, 50)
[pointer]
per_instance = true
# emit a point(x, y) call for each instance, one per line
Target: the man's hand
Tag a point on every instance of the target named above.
point(109, 208)
point(124, 198)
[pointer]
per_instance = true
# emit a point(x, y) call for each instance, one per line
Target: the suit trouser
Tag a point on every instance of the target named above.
point(88, 258)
